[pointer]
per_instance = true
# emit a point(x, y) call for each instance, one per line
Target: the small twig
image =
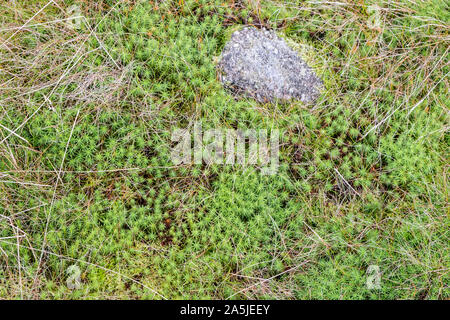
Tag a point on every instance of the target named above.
point(345, 181)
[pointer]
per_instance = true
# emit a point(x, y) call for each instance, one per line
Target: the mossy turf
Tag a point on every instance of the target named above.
point(87, 112)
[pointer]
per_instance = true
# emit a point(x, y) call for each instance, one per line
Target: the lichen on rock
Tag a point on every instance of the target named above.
point(261, 65)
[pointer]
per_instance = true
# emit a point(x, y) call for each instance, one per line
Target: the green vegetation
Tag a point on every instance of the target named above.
point(86, 179)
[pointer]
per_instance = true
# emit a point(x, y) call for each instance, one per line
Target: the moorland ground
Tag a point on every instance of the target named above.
point(91, 205)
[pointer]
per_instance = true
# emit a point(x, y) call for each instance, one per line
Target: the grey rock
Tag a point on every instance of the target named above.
point(259, 64)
